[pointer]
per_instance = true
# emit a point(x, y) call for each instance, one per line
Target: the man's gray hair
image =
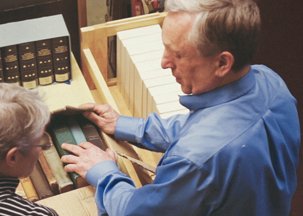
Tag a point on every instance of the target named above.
point(222, 25)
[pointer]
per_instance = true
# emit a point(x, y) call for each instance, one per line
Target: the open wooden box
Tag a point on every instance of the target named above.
point(94, 60)
point(81, 201)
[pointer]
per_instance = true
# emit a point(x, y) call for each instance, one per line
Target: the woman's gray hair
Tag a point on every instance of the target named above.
point(222, 25)
point(23, 115)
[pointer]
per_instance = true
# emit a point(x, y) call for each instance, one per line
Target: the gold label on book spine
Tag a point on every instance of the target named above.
point(30, 84)
point(11, 58)
point(46, 80)
point(44, 52)
point(61, 49)
point(27, 56)
point(61, 77)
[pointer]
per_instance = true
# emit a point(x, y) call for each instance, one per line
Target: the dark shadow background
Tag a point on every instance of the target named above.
point(281, 48)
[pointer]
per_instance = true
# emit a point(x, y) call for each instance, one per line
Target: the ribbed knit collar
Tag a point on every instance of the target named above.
point(8, 184)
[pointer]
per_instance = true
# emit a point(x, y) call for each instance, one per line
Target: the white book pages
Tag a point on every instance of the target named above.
point(122, 61)
point(133, 47)
point(173, 88)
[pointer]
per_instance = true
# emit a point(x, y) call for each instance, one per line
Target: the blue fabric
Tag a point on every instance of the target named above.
point(234, 154)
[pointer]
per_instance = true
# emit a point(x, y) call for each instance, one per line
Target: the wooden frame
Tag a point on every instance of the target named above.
point(94, 61)
point(95, 38)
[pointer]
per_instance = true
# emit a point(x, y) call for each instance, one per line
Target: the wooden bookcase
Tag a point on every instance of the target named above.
point(94, 40)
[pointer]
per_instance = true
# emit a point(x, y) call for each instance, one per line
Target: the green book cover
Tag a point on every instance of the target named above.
point(62, 134)
point(76, 130)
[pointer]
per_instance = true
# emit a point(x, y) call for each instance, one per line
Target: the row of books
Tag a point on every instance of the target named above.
point(49, 177)
point(36, 63)
point(141, 7)
point(145, 86)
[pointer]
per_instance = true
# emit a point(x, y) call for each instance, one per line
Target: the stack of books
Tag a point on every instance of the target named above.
point(35, 52)
point(145, 86)
point(49, 177)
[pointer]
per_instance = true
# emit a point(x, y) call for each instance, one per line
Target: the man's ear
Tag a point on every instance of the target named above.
point(225, 63)
point(12, 157)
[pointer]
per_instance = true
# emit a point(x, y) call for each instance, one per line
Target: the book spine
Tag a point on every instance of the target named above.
point(62, 134)
point(64, 182)
point(44, 62)
point(61, 59)
point(1, 69)
point(10, 64)
point(76, 130)
point(40, 183)
point(29, 189)
point(52, 157)
point(52, 182)
point(91, 133)
point(28, 65)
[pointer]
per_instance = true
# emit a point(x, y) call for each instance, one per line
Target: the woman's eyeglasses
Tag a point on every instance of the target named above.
point(45, 146)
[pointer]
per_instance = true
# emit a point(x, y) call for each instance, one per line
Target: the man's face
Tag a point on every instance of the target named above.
point(195, 73)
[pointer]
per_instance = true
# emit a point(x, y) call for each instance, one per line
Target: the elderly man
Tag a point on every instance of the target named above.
point(234, 154)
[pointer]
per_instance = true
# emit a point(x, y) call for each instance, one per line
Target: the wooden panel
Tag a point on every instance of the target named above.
point(138, 174)
point(80, 202)
point(58, 95)
point(95, 38)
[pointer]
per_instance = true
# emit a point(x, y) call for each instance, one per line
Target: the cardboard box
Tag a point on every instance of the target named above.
point(32, 30)
point(80, 202)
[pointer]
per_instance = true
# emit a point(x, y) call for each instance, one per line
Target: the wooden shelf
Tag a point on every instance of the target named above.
point(57, 95)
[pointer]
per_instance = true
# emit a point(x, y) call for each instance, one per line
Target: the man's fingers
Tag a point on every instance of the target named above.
point(112, 154)
point(87, 106)
point(71, 159)
point(74, 168)
point(86, 145)
point(74, 149)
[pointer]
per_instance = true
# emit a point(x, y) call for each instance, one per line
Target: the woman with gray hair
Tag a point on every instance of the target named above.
point(23, 118)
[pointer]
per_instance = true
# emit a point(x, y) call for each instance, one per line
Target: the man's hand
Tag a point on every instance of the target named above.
point(104, 116)
point(84, 156)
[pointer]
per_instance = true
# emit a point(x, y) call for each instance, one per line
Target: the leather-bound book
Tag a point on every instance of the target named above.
point(91, 133)
point(10, 64)
point(61, 59)
point(61, 134)
point(44, 62)
point(52, 182)
point(1, 69)
point(52, 157)
point(29, 189)
point(40, 183)
point(28, 65)
point(76, 129)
